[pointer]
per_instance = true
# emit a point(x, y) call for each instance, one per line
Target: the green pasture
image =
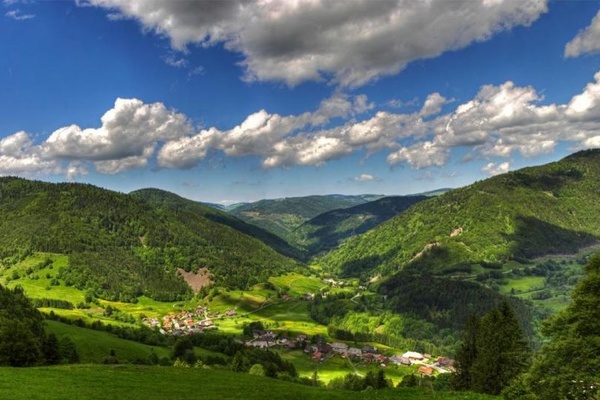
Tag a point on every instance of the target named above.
point(522, 284)
point(125, 382)
point(93, 346)
point(298, 284)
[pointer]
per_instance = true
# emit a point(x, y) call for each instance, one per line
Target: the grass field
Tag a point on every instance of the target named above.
point(523, 284)
point(298, 284)
point(122, 382)
point(93, 346)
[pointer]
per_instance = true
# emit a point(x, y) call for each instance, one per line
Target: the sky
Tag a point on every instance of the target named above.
point(233, 100)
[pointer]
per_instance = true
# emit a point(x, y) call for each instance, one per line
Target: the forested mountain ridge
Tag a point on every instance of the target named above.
point(283, 216)
point(520, 215)
point(326, 231)
point(121, 246)
point(185, 208)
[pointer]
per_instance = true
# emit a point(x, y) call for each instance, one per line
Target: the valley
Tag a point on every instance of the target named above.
point(151, 278)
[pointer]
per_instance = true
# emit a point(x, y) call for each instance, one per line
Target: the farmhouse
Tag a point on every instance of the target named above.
point(413, 356)
point(339, 347)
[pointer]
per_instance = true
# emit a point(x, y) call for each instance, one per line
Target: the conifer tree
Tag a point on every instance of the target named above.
point(466, 354)
point(502, 351)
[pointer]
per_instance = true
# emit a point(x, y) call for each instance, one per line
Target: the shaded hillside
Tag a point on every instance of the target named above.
point(120, 246)
point(328, 230)
point(184, 208)
point(282, 216)
point(550, 209)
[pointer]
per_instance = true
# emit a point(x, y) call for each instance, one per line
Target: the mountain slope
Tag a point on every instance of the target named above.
point(282, 216)
point(328, 230)
point(184, 207)
point(120, 246)
point(520, 215)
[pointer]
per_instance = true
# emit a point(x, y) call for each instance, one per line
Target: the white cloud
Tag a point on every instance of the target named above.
point(18, 156)
point(586, 41)
point(366, 178)
point(496, 169)
point(348, 42)
point(127, 130)
point(499, 121)
point(18, 16)
point(267, 135)
point(420, 155)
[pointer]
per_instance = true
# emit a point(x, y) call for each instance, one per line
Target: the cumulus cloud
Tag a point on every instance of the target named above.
point(496, 169)
point(18, 156)
point(366, 178)
point(499, 121)
point(586, 41)
point(347, 42)
point(268, 135)
point(127, 130)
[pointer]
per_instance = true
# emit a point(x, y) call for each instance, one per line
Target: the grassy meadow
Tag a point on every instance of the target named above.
point(124, 382)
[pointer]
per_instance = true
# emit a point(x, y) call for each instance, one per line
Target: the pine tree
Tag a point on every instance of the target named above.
point(466, 354)
point(502, 351)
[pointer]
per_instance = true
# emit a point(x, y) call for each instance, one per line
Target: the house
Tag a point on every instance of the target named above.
point(400, 360)
point(260, 344)
point(286, 297)
point(354, 352)
point(339, 347)
point(324, 348)
point(369, 349)
point(381, 359)
point(301, 338)
point(413, 356)
point(424, 370)
point(445, 362)
point(230, 313)
point(369, 357)
point(318, 356)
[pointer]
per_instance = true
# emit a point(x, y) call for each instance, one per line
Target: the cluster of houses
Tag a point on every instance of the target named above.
point(186, 322)
point(320, 351)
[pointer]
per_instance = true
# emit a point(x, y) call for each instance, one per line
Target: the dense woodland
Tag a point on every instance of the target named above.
point(122, 246)
point(515, 216)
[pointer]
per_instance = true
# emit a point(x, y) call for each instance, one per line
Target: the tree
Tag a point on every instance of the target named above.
point(466, 354)
point(568, 367)
point(502, 351)
point(257, 369)
point(51, 350)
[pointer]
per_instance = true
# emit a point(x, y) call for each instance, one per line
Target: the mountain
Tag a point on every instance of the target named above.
point(121, 246)
point(282, 216)
point(520, 215)
point(170, 201)
point(326, 231)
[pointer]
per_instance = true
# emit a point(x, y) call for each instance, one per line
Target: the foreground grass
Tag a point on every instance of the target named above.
point(92, 382)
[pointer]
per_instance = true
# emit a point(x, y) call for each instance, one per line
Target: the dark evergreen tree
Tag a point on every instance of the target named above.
point(502, 351)
point(466, 354)
point(68, 350)
point(51, 350)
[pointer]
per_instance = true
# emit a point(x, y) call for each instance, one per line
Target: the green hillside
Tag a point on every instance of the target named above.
point(282, 216)
point(521, 215)
point(127, 382)
point(193, 214)
point(326, 231)
point(121, 247)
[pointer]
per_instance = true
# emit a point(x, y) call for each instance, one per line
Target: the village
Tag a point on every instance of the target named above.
point(317, 348)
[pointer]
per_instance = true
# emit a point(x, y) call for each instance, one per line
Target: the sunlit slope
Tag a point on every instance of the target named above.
point(121, 246)
point(550, 209)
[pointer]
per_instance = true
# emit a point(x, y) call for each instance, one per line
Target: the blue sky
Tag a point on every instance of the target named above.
point(228, 101)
